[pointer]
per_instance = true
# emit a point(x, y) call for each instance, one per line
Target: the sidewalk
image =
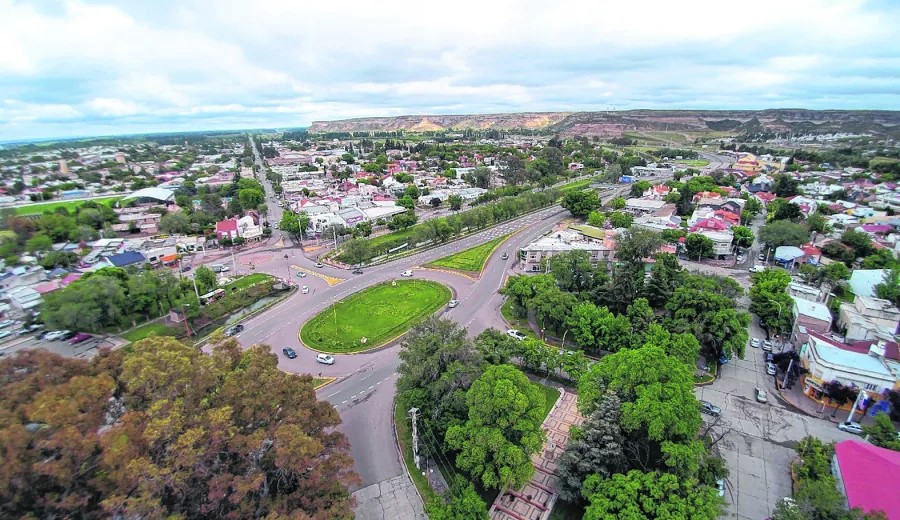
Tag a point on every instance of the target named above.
point(796, 399)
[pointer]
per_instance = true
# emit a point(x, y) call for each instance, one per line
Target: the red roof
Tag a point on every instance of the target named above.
point(810, 250)
point(226, 225)
point(868, 473)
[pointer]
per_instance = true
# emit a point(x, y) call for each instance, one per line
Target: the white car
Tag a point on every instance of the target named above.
point(755, 343)
point(739, 259)
point(767, 346)
point(406, 274)
point(7, 323)
point(319, 265)
point(5, 333)
point(851, 427)
point(55, 335)
point(771, 369)
point(761, 396)
point(720, 486)
point(301, 274)
point(325, 359)
point(452, 303)
point(514, 334)
point(304, 289)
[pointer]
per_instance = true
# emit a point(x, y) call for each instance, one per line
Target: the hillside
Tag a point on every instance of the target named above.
point(877, 122)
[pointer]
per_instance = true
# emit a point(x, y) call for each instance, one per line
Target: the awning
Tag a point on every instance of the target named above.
point(170, 258)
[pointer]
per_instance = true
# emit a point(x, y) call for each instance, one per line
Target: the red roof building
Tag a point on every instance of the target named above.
point(867, 475)
point(227, 229)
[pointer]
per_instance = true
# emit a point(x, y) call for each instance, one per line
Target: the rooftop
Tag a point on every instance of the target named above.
point(865, 470)
point(831, 352)
point(816, 310)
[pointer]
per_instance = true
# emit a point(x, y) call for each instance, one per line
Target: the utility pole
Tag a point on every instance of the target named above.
point(334, 233)
point(233, 262)
point(856, 403)
point(413, 413)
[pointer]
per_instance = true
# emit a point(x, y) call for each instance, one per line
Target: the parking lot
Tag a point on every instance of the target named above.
point(86, 349)
point(757, 440)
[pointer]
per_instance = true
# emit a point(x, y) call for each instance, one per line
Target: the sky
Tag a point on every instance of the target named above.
point(82, 68)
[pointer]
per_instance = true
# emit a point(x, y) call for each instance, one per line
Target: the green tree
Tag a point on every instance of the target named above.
point(618, 203)
point(38, 243)
point(889, 289)
point(620, 220)
point(251, 198)
point(625, 496)
point(743, 236)
point(859, 241)
point(356, 251)
point(573, 270)
point(462, 502)
point(302, 222)
point(783, 233)
point(882, 432)
point(176, 223)
point(699, 246)
point(406, 202)
point(503, 429)
point(635, 245)
point(289, 223)
point(817, 222)
point(596, 219)
point(205, 278)
point(639, 187)
point(666, 276)
point(455, 202)
point(581, 203)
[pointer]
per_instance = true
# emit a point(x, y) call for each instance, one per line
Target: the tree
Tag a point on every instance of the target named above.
point(573, 270)
point(356, 251)
point(640, 316)
point(705, 307)
point(362, 229)
point(817, 222)
point(618, 203)
point(251, 197)
point(503, 429)
point(289, 223)
point(620, 220)
point(859, 241)
point(882, 433)
point(238, 437)
point(699, 246)
point(783, 233)
point(743, 236)
point(462, 502)
point(785, 186)
point(597, 449)
point(666, 276)
point(787, 211)
point(836, 272)
point(889, 289)
point(39, 242)
point(639, 187)
point(455, 202)
point(176, 223)
point(649, 495)
point(596, 219)
point(205, 278)
point(496, 347)
point(406, 202)
point(635, 245)
point(581, 203)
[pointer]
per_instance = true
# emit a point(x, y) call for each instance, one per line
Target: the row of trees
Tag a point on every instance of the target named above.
point(168, 432)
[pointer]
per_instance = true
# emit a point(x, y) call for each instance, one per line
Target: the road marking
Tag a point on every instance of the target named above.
point(371, 387)
point(330, 280)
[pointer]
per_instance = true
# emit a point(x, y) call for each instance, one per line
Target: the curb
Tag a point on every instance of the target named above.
point(326, 383)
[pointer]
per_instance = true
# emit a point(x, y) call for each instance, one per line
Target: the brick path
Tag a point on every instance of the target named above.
point(535, 500)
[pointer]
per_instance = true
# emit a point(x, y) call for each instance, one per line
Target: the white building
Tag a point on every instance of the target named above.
point(868, 318)
point(643, 206)
point(600, 248)
point(828, 360)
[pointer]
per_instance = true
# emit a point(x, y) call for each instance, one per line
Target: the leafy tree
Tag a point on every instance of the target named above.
point(175, 223)
point(596, 219)
point(639, 495)
point(552, 306)
point(618, 203)
point(205, 278)
point(787, 211)
point(635, 245)
point(406, 202)
point(836, 272)
point(595, 328)
point(356, 251)
point(769, 299)
point(817, 222)
point(455, 202)
point(39, 242)
point(783, 233)
point(573, 270)
point(597, 449)
point(581, 203)
point(620, 220)
point(362, 229)
point(838, 251)
point(237, 437)
point(859, 241)
point(709, 315)
point(289, 223)
point(743, 236)
point(251, 197)
point(640, 316)
point(503, 430)
point(880, 259)
point(666, 276)
point(785, 186)
point(699, 246)
point(462, 502)
point(639, 187)
point(496, 347)
point(882, 433)
point(889, 289)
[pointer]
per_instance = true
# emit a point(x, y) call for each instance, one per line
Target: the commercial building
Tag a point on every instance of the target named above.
point(643, 206)
point(865, 365)
point(600, 247)
point(809, 316)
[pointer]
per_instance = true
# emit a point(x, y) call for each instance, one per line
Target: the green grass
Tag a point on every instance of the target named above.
point(150, 329)
point(472, 259)
point(378, 313)
point(515, 322)
point(577, 185)
point(550, 396)
point(246, 281)
point(71, 205)
point(694, 163)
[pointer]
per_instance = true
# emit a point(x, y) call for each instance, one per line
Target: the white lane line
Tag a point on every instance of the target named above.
point(344, 401)
point(371, 387)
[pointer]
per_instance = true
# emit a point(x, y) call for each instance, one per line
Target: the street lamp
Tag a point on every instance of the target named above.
point(779, 317)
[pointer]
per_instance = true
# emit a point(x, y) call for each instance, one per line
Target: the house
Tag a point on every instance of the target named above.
point(24, 298)
point(534, 254)
point(809, 316)
point(868, 318)
point(122, 260)
point(864, 365)
point(864, 473)
point(643, 206)
point(788, 255)
point(227, 229)
point(863, 281)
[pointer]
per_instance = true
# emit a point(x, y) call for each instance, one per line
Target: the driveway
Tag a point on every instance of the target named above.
point(757, 440)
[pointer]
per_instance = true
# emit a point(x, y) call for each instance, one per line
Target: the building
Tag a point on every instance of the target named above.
point(123, 260)
point(865, 475)
point(809, 316)
point(24, 298)
point(868, 318)
point(649, 171)
point(643, 206)
point(120, 157)
point(227, 229)
point(863, 281)
point(864, 365)
point(600, 247)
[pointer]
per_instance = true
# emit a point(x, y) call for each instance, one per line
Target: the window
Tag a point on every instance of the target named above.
point(870, 386)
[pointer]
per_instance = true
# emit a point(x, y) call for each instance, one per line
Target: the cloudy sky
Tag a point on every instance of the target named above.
point(77, 67)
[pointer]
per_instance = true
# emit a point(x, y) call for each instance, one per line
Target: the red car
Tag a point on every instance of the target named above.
point(81, 336)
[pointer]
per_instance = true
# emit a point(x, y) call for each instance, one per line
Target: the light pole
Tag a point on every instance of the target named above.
point(779, 317)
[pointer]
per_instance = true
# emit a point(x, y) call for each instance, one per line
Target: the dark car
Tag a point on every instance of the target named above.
point(68, 336)
point(289, 352)
point(185, 269)
point(234, 329)
point(81, 336)
point(357, 271)
point(710, 409)
point(769, 357)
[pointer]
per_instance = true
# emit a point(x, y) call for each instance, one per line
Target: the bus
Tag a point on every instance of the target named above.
point(207, 298)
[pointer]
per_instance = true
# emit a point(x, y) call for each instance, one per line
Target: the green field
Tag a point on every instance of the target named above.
point(472, 259)
point(550, 396)
point(150, 329)
point(246, 281)
point(378, 313)
point(693, 163)
point(71, 205)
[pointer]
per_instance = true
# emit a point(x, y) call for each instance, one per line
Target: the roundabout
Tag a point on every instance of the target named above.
point(374, 316)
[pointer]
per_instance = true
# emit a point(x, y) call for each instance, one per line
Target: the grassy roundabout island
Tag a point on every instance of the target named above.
point(378, 313)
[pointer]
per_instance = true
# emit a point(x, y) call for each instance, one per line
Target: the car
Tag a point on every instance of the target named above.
point(757, 269)
point(504, 256)
point(5, 333)
point(851, 427)
point(304, 289)
point(515, 334)
point(761, 258)
point(710, 409)
point(234, 330)
point(325, 359)
point(406, 274)
point(755, 343)
point(301, 274)
point(318, 265)
point(55, 335)
point(771, 369)
point(720, 486)
point(739, 259)
point(357, 271)
point(289, 353)
point(80, 337)
point(67, 335)
point(6, 323)
point(761, 396)
point(767, 346)
point(452, 303)
point(185, 268)
point(769, 357)
point(723, 360)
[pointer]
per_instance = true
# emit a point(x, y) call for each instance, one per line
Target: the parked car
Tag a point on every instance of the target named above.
point(319, 265)
point(761, 396)
point(6, 323)
point(289, 352)
point(452, 303)
point(5, 333)
point(761, 257)
point(55, 335)
point(357, 271)
point(67, 335)
point(515, 334)
point(301, 274)
point(406, 274)
point(739, 259)
point(767, 346)
point(755, 343)
point(234, 329)
point(771, 369)
point(851, 427)
point(185, 268)
point(304, 289)
point(80, 337)
point(710, 409)
point(325, 359)
point(720, 486)
point(769, 357)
